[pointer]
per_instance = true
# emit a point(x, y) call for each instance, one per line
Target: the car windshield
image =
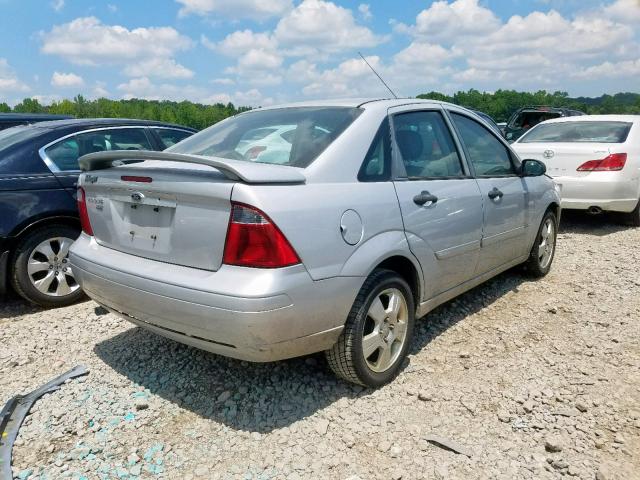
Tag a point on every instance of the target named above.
point(287, 136)
point(585, 131)
point(14, 135)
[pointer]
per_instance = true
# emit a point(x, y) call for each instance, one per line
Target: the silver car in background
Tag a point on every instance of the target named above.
point(378, 212)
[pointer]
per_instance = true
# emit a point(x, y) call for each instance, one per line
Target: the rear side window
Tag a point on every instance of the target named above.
point(377, 163)
point(65, 153)
point(426, 145)
point(169, 136)
point(490, 158)
point(581, 132)
point(294, 136)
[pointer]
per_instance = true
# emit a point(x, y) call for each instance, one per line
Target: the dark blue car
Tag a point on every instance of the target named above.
point(38, 213)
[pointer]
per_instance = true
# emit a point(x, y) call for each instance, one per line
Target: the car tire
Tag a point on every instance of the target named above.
point(381, 320)
point(544, 248)
point(39, 274)
point(633, 218)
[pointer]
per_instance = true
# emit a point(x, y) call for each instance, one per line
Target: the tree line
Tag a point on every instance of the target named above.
point(499, 104)
point(191, 114)
point(502, 103)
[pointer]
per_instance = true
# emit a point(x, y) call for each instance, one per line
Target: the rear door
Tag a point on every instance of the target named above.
point(439, 200)
point(504, 193)
point(61, 155)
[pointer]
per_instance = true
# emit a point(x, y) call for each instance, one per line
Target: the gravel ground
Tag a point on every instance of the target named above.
point(532, 379)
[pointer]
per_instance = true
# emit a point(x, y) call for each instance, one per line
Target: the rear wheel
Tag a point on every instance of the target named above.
point(41, 270)
point(378, 332)
point(633, 218)
point(544, 248)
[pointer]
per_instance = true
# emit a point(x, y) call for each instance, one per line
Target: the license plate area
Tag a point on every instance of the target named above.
point(144, 221)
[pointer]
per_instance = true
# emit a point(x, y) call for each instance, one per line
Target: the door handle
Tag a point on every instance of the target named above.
point(495, 193)
point(424, 197)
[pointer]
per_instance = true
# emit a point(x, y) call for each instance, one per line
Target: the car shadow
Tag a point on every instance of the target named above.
point(582, 223)
point(445, 316)
point(262, 396)
point(12, 305)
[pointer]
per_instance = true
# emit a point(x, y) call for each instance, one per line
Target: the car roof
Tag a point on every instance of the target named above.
point(596, 118)
point(99, 122)
point(12, 117)
point(358, 102)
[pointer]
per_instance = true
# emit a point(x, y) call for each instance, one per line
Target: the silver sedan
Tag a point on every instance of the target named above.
point(364, 217)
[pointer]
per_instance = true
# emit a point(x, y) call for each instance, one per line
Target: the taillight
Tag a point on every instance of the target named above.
point(613, 162)
point(84, 214)
point(253, 240)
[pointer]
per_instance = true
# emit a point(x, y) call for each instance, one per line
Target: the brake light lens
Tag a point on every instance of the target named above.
point(253, 240)
point(134, 178)
point(611, 163)
point(84, 214)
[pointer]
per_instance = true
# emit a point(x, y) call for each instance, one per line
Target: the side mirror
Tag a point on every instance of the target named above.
point(532, 168)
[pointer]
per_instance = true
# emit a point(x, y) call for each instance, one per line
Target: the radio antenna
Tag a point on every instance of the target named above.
point(376, 73)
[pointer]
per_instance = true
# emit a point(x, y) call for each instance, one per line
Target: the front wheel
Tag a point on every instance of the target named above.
point(378, 332)
point(544, 248)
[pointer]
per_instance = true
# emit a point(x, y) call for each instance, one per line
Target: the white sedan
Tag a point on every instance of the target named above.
point(595, 160)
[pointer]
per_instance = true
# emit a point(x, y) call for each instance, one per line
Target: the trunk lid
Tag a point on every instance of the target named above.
point(177, 212)
point(563, 159)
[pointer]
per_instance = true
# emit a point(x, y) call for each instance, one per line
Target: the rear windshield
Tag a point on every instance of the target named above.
point(584, 132)
point(287, 136)
point(12, 136)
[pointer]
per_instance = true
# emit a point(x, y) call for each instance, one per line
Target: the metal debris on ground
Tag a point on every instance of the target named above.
point(16, 409)
point(448, 445)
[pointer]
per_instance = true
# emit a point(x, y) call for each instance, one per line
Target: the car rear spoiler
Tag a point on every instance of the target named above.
point(238, 170)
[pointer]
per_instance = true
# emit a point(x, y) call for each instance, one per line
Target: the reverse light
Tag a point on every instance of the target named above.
point(253, 240)
point(611, 163)
point(84, 214)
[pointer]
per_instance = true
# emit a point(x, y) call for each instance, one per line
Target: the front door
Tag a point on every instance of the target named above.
point(440, 202)
point(504, 194)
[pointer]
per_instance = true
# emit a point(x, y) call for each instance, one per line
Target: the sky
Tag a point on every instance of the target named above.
point(263, 52)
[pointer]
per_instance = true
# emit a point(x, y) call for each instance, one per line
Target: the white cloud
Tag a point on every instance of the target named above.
point(624, 11)
point(57, 5)
point(236, 9)
point(365, 11)
point(241, 42)
point(223, 81)
point(9, 82)
point(87, 41)
point(66, 80)
point(320, 26)
point(158, 67)
point(144, 87)
point(112, 8)
point(423, 53)
point(446, 20)
point(627, 68)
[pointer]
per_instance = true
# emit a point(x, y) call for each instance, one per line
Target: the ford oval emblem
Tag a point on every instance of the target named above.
point(137, 197)
point(548, 154)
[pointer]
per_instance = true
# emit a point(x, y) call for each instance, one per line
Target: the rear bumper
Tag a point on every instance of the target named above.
point(255, 315)
point(607, 190)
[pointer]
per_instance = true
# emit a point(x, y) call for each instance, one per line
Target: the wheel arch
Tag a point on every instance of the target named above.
point(408, 271)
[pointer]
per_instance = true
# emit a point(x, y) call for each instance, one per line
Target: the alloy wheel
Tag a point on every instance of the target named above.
point(547, 243)
point(49, 269)
point(385, 330)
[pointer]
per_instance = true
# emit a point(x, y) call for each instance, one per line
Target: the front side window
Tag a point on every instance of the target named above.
point(489, 157)
point(65, 153)
point(580, 132)
point(426, 145)
point(287, 136)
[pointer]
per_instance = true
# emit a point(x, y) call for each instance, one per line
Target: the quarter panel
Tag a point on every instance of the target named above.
point(309, 216)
